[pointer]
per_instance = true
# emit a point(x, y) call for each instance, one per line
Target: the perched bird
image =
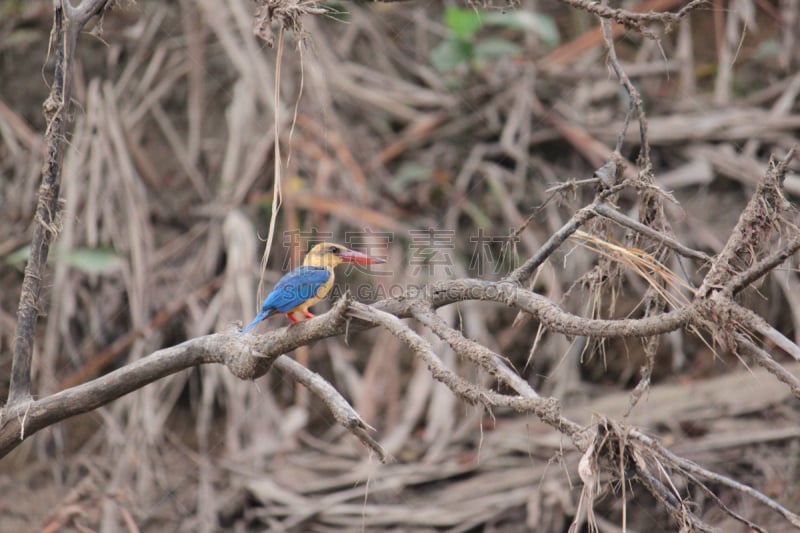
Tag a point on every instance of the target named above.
point(306, 285)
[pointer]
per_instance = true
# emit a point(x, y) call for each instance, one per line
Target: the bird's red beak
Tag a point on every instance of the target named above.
point(351, 256)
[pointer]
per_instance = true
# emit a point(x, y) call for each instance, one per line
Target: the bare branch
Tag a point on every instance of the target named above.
point(765, 360)
point(747, 320)
point(765, 265)
point(526, 270)
point(68, 21)
point(475, 352)
point(631, 19)
point(342, 411)
point(753, 229)
point(698, 471)
point(240, 354)
point(251, 363)
point(20, 420)
point(660, 237)
point(676, 506)
point(633, 93)
point(547, 409)
point(725, 509)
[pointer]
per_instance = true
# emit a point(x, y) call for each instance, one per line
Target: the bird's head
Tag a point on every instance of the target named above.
point(328, 254)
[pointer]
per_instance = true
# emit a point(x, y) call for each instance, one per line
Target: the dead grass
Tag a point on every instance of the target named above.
point(170, 168)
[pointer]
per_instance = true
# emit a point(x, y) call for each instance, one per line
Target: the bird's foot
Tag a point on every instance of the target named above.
point(308, 313)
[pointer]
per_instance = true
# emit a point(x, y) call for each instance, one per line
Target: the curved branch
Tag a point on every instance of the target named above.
point(475, 352)
point(551, 315)
point(21, 420)
point(632, 19)
point(693, 468)
point(246, 359)
point(250, 359)
point(342, 411)
point(547, 409)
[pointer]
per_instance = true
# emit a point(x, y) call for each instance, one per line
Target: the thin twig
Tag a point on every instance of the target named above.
point(277, 194)
point(606, 211)
point(725, 509)
point(764, 266)
point(526, 270)
point(633, 20)
point(474, 351)
point(697, 470)
point(765, 360)
point(633, 92)
point(677, 507)
point(547, 409)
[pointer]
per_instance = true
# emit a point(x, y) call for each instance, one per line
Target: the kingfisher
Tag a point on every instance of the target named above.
point(308, 284)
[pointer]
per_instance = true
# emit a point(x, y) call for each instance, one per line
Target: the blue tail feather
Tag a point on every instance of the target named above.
point(262, 315)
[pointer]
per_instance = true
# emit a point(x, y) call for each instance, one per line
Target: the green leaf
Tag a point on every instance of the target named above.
point(542, 25)
point(18, 257)
point(462, 23)
point(493, 48)
point(87, 260)
point(409, 174)
point(450, 53)
point(768, 49)
point(337, 11)
point(92, 260)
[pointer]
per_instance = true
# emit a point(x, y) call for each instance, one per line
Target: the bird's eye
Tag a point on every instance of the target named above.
point(334, 250)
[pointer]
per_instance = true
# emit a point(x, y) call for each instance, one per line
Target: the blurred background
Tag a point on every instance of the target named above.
point(428, 133)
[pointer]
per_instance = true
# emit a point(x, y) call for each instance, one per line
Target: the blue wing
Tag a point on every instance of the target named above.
point(293, 289)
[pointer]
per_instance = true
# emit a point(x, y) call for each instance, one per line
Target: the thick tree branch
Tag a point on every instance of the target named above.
point(253, 358)
point(245, 358)
point(20, 420)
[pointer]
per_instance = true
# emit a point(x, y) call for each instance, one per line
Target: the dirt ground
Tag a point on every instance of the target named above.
point(451, 147)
